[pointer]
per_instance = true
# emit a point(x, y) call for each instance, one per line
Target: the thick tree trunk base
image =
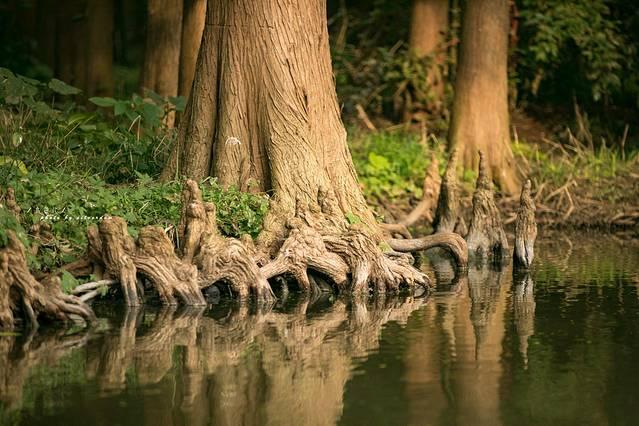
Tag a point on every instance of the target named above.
point(313, 248)
point(20, 291)
point(316, 247)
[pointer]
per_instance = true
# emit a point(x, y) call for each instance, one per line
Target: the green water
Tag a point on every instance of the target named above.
point(557, 347)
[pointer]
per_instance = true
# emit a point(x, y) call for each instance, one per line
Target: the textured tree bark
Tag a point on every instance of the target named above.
point(525, 230)
point(447, 212)
point(20, 291)
point(100, 48)
point(480, 118)
point(71, 55)
point(264, 115)
point(486, 237)
point(192, 28)
point(160, 70)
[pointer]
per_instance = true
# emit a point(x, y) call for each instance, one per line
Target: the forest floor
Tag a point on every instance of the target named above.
point(575, 184)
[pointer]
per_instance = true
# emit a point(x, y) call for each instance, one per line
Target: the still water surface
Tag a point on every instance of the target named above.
point(559, 346)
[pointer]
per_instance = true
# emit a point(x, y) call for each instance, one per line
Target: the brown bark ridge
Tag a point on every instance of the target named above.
point(264, 116)
point(194, 15)
point(486, 237)
point(480, 119)
point(525, 229)
point(447, 212)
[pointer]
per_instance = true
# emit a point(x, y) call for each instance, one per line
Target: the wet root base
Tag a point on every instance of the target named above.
point(320, 249)
point(21, 292)
point(317, 249)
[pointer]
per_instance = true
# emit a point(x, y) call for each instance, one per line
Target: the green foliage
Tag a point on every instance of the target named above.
point(69, 203)
point(389, 82)
point(573, 46)
point(42, 128)
point(573, 160)
point(390, 165)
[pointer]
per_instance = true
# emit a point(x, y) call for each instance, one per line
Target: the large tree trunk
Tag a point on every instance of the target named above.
point(100, 48)
point(160, 70)
point(264, 110)
point(480, 110)
point(264, 115)
point(192, 28)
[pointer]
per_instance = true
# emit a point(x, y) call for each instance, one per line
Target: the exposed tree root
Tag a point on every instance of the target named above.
point(396, 229)
point(447, 213)
point(525, 230)
point(153, 257)
point(486, 237)
point(428, 203)
point(304, 249)
point(449, 241)
point(20, 290)
point(369, 266)
point(218, 258)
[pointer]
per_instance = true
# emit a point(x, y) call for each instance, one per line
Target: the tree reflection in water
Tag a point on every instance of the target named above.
point(246, 364)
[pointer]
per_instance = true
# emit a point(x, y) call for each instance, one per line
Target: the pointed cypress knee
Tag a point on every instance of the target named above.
point(448, 202)
point(525, 230)
point(486, 237)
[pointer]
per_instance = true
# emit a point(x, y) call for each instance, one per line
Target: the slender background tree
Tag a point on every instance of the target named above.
point(480, 118)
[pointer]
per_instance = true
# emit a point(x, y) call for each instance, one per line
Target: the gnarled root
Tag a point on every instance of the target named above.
point(231, 261)
point(525, 230)
point(153, 257)
point(304, 249)
point(449, 241)
point(19, 289)
point(486, 237)
point(218, 258)
point(447, 213)
point(369, 265)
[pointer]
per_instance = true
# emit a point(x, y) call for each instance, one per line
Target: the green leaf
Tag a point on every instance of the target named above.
point(378, 161)
point(179, 102)
point(120, 108)
point(68, 282)
point(5, 160)
point(63, 88)
point(103, 102)
point(352, 218)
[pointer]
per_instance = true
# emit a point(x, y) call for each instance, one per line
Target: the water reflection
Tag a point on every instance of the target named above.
point(244, 365)
point(487, 348)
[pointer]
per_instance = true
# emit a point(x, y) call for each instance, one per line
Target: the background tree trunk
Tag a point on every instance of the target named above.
point(192, 28)
point(428, 25)
point(428, 29)
point(100, 48)
point(160, 70)
point(480, 110)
